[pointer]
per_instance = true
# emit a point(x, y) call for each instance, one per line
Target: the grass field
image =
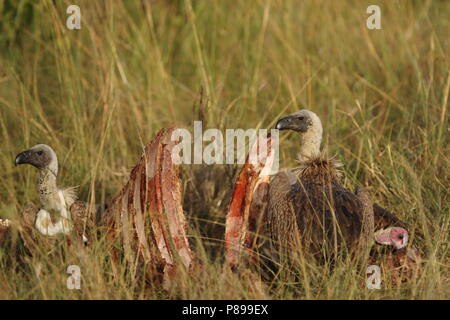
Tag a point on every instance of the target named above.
point(98, 94)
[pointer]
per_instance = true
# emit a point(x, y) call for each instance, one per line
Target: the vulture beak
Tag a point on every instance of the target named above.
point(285, 123)
point(22, 157)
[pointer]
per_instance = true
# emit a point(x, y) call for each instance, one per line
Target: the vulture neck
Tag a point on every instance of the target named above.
point(47, 182)
point(310, 142)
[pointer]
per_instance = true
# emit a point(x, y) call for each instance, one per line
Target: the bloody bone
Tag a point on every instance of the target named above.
point(146, 217)
point(249, 201)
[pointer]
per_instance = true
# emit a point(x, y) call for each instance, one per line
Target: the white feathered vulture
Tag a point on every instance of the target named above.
point(54, 201)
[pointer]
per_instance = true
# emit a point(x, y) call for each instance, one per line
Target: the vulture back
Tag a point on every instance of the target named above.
point(313, 212)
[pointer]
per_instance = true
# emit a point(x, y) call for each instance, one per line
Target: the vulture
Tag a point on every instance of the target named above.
point(309, 207)
point(60, 203)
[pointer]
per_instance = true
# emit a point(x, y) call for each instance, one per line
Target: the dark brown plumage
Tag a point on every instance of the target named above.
point(310, 209)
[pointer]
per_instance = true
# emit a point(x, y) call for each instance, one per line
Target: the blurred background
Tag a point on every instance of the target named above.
point(97, 95)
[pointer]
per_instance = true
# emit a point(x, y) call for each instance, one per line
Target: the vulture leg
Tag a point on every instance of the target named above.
point(249, 202)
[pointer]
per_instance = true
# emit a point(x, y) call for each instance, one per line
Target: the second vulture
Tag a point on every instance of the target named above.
point(311, 205)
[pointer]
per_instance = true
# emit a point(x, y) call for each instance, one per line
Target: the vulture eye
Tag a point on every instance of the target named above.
point(401, 236)
point(39, 153)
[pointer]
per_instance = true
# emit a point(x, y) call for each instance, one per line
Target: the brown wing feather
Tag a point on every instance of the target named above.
point(384, 219)
point(319, 213)
point(83, 221)
point(281, 214)
point(328, 216)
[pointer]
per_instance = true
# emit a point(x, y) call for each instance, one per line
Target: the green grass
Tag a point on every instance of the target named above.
point(97, 95)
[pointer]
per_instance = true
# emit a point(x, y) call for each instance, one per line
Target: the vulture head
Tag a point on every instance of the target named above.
point(394, 236)
point(300, 121)
point(40, 156)
point(308, 124)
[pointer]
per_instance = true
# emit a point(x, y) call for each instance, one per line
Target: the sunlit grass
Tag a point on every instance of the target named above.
point(97, 95)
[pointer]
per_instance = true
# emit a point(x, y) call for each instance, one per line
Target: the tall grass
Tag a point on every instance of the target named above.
point(98, 94)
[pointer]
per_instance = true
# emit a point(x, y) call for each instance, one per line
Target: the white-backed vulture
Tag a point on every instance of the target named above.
point(311, 205)
point(53, 200)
